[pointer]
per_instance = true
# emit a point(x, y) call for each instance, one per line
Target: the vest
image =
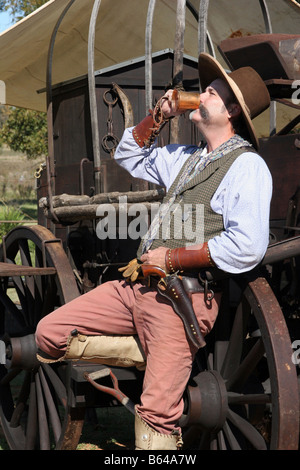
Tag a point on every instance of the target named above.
point(193, 221)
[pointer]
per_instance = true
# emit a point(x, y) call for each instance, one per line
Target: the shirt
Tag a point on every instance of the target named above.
point(243, 198)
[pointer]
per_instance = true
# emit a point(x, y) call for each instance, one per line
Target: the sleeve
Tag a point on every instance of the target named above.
point(244, 198)
point(158, 165)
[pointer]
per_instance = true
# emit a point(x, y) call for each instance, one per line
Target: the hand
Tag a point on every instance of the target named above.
point(168, 105)
point(155, 257)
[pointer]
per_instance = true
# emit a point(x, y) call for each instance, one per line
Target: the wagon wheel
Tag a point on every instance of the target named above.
point(247, 396)
point(35, 278)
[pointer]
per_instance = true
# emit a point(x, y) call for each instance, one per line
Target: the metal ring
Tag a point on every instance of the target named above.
point(107, 101)
point(109, 138)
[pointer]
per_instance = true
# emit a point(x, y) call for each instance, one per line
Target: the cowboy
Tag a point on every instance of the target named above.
point(231, 181)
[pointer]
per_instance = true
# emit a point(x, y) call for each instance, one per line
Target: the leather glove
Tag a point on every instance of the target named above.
point(132, 270)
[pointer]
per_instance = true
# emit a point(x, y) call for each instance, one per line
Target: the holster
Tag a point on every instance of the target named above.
point(178, 290)
point(172, 288)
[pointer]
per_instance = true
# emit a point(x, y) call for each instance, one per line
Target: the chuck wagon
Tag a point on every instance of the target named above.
point(243, 392)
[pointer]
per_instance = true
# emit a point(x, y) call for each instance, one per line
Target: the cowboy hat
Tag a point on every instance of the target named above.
point(247, 86)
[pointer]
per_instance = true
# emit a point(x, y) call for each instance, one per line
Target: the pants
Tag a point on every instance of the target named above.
point(122, 308)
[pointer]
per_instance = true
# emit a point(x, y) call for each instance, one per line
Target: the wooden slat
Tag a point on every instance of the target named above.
point(7, 269)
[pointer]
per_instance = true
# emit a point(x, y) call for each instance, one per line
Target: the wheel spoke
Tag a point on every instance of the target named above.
point(24, 252)
point(221, 441)
point(32, 420)
point(240, 376)
point(247, 430)
point(220, 350)
point(29, 296)
point(235, 348)
point(26, 261)
point(48, 299)
point(213, 442)
point(20, 288)
point(53, 414)
point(56, 383)
point(11, 374)
point(15, 314)
point(19, 283)
point(232, 441)
point(42, 416)
point(7, 403)
point(248, 399)
point(21, 402)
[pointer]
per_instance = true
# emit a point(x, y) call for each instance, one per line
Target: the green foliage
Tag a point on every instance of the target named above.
point(20, 8)
point(25, 131)
point(11, 217)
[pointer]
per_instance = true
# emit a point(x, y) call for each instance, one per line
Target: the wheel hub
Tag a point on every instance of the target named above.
point(207, 402)
point(21, 352)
